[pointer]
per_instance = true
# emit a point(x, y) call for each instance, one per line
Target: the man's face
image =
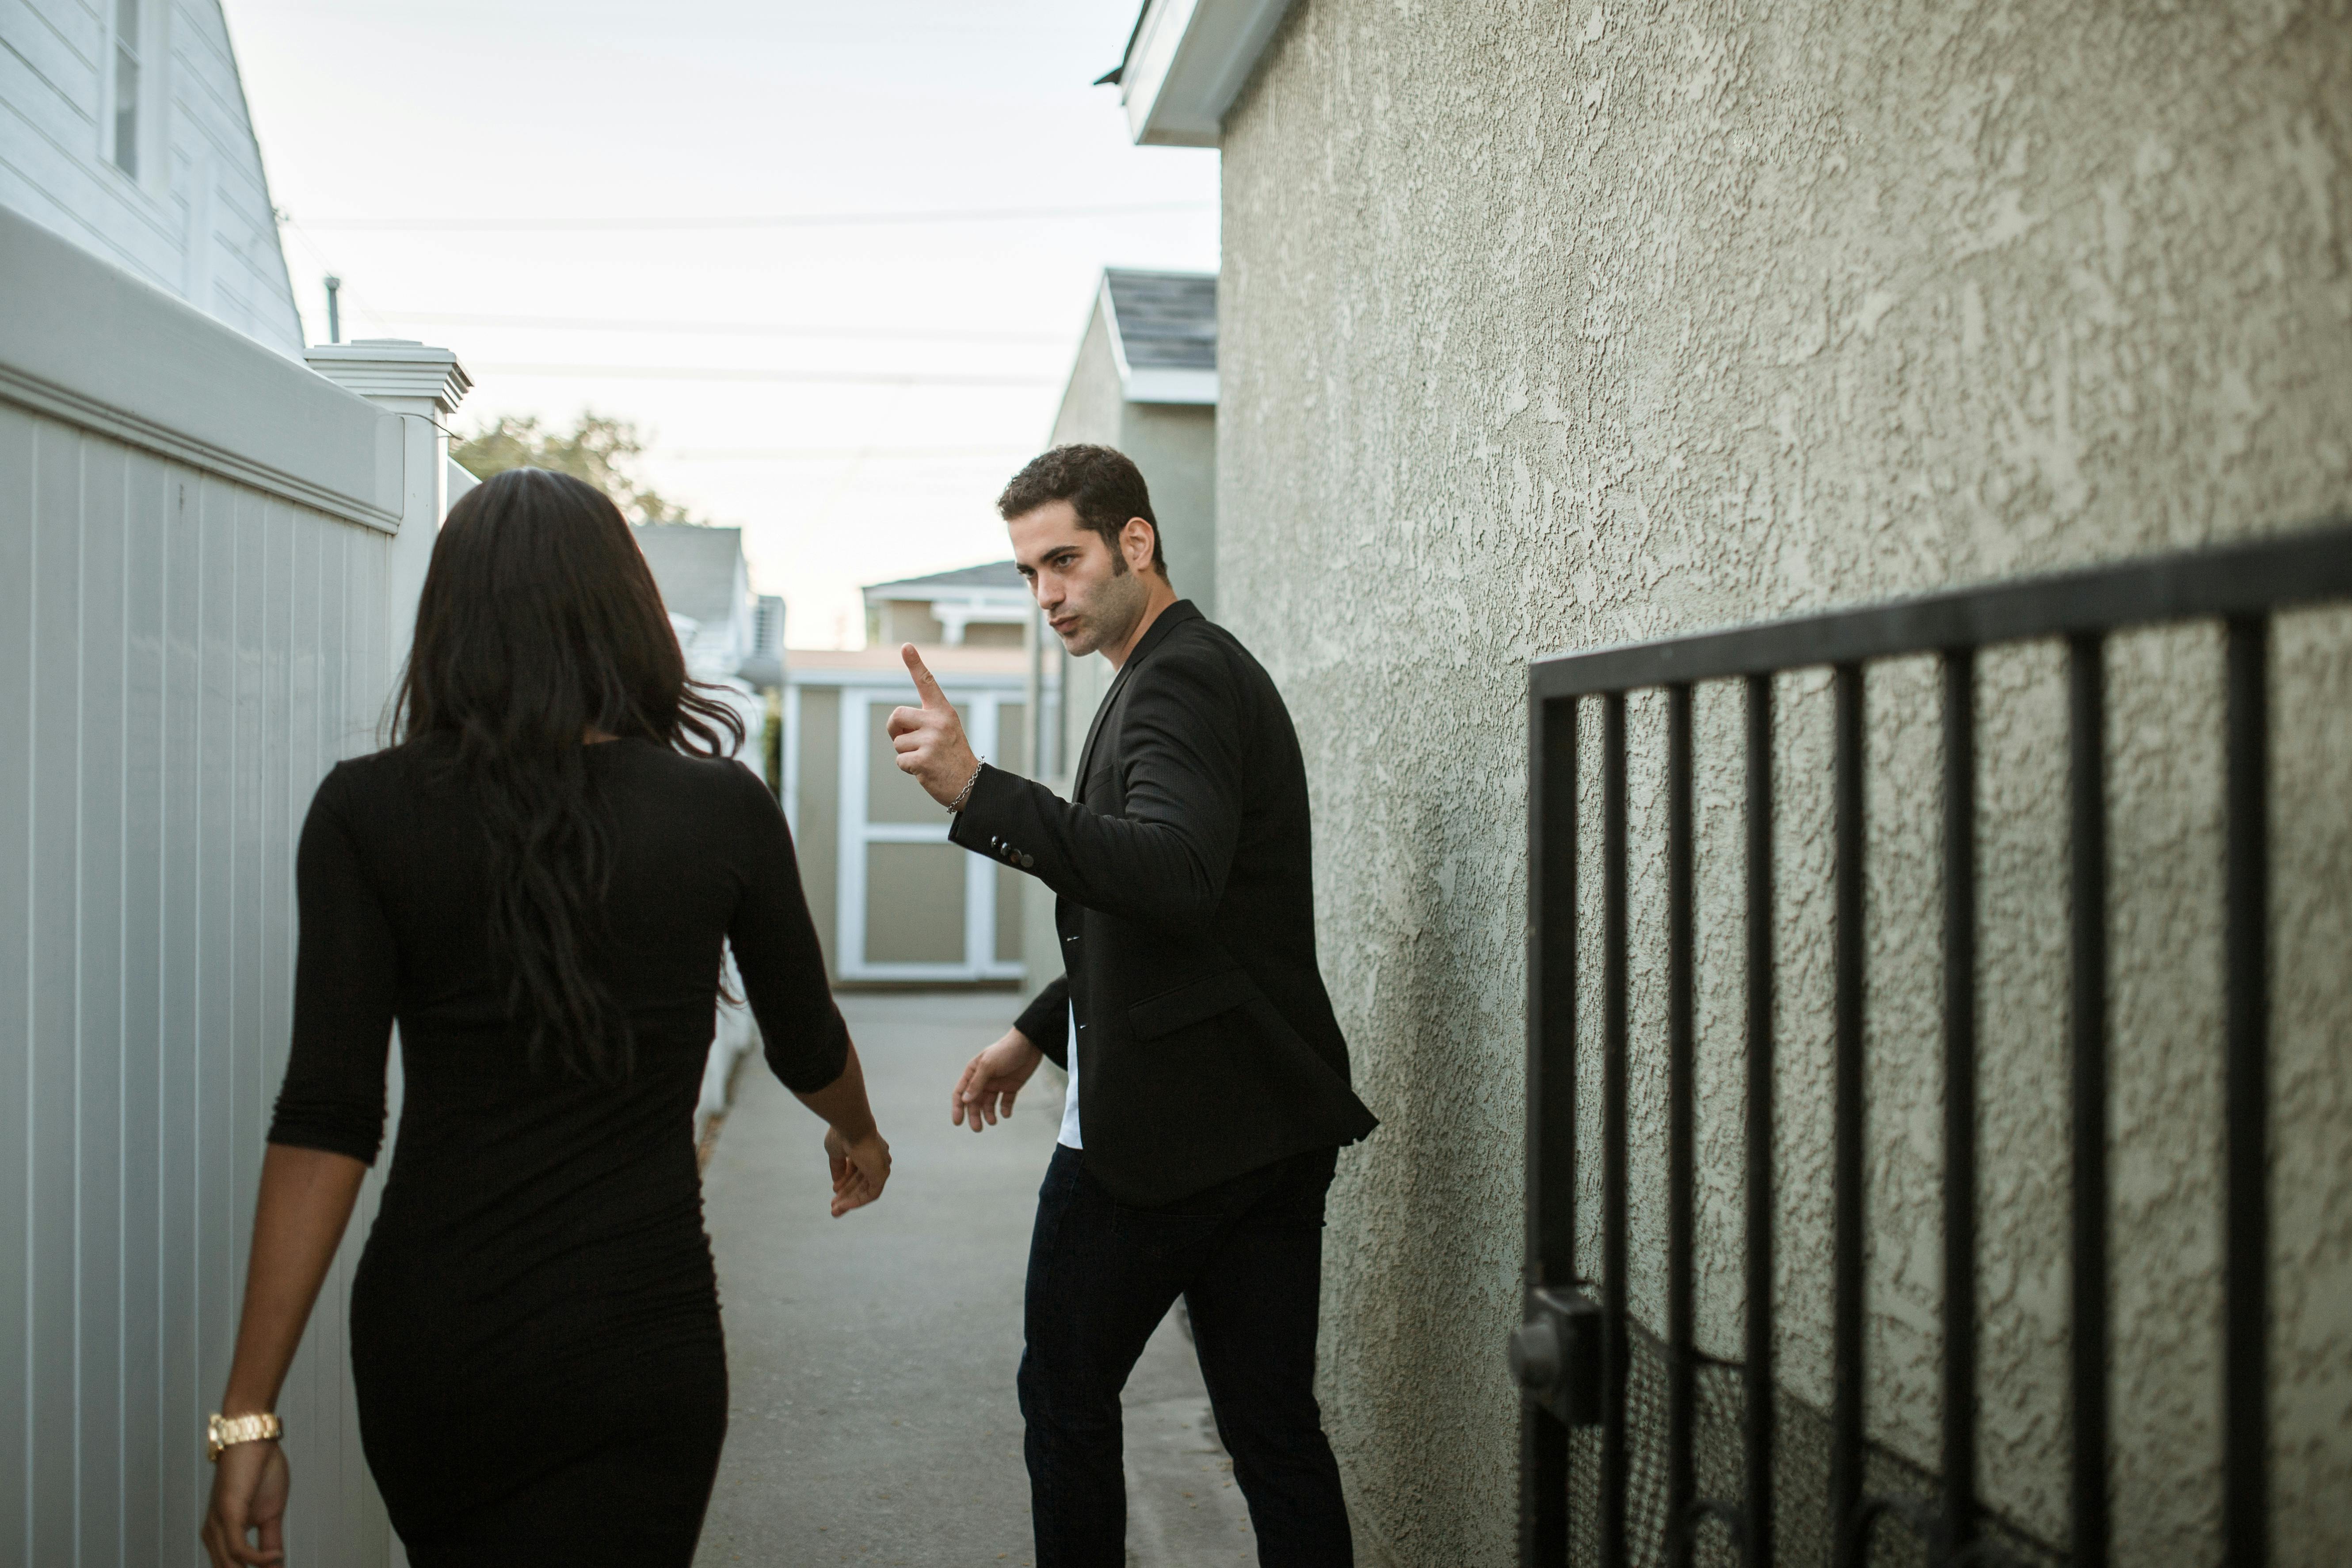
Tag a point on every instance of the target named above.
point(1091, 598)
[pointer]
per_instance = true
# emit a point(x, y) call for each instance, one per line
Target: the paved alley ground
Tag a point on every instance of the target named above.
point(871, 1359)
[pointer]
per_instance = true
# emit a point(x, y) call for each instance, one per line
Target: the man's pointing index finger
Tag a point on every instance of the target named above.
point(925, 685)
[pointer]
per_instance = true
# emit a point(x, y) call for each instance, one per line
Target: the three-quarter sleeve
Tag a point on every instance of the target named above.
point(345, 972)
point(776, 952)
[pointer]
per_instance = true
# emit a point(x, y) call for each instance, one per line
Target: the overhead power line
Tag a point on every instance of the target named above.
point(723, 329)
point(729, 373)
point(584, 223)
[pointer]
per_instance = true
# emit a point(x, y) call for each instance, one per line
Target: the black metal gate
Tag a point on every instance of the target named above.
point(1582, 1360)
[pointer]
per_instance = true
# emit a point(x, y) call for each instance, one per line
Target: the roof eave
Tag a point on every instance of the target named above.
point(1189, 60)
point(1150, 383)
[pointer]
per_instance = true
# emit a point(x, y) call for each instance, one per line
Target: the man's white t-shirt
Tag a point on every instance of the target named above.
point(1070, 1106)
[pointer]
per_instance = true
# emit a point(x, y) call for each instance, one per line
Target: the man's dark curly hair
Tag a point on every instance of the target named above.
point(1101, 483)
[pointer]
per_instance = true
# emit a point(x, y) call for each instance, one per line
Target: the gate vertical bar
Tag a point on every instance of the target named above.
point(1682, 1489)
point(1959, 1421)
point(2086, 783)
point(1756, 1456)
point(1615, 1341)
point(1846, 1153)
point(2245, 1483)
point(1552, 1097)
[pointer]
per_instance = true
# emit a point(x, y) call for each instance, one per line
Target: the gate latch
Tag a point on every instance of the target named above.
point(1555, 1355)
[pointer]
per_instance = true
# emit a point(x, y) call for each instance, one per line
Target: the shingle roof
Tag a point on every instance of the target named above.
point(693, 565)
point(996, 574)
point(1166, 319)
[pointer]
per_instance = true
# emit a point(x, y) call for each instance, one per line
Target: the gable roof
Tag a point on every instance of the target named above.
point(1165, 317)
point(996, 574)
point(1163, 333)
point(694, 566)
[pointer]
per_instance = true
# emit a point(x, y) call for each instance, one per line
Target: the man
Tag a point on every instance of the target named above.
point(1209, 1091)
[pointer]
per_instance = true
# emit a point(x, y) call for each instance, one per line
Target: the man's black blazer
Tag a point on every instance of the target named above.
point(1206, 1043)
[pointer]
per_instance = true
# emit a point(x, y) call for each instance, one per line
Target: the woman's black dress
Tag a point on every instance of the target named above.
point(535, 1337)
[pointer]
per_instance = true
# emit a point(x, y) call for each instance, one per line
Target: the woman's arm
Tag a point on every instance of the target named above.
point(327, 1126)
point(806, 1044)
point(306, 1201)
point(860, 1159)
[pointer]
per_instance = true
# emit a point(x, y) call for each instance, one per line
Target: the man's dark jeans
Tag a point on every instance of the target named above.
point(1247, 1256)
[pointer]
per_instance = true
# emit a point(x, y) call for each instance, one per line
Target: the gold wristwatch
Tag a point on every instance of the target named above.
point(229, 1431)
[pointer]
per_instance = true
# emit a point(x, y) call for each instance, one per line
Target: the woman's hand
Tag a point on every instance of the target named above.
point(996, 1075)
point(860, 1169)
point(859, 1158)
point(249, 1494)
point(305, 1201)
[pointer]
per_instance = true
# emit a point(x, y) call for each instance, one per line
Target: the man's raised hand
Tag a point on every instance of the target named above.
point(930, 739)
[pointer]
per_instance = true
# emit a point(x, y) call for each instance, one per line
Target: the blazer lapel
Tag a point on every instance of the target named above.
point(1173, 616)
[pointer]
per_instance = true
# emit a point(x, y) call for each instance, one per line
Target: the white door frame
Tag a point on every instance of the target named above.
point(980, 707)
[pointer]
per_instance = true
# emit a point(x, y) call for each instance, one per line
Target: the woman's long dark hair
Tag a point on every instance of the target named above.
point(539, 624)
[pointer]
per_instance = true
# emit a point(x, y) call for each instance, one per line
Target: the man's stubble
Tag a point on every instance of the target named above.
point(1111, 611)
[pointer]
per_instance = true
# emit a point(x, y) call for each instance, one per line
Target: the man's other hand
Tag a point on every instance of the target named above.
point(986, 1090)
point(930, 739)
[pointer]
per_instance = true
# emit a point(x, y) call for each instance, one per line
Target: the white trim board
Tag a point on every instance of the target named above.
point(1171, 383)
point(1189, 60)
point(85, 341)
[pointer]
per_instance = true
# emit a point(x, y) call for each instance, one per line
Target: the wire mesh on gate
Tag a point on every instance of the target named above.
point(1801, 1453)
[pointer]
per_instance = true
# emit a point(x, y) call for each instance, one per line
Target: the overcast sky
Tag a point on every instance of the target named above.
point(387, 130)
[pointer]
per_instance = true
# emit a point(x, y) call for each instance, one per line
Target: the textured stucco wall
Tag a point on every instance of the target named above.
point(1552, 324)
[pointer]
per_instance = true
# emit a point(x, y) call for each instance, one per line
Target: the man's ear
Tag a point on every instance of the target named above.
point(1138, 542)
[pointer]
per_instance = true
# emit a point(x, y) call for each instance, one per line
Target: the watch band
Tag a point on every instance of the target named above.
point(229, 1431)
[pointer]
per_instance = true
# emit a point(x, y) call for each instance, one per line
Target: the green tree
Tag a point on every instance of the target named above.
point(603, 451)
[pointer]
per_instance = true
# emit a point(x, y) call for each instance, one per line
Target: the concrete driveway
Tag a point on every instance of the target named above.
point(871, 1359)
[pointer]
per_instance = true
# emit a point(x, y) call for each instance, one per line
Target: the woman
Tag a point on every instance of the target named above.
point(535, 883)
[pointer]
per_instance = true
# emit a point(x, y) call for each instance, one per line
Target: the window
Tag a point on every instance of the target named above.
point(126, 87)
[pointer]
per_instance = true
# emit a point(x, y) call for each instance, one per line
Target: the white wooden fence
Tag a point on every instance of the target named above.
point(209, 557)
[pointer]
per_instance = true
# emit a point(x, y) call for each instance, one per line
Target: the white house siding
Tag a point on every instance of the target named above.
point(196, 220)
point(1547, 326)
